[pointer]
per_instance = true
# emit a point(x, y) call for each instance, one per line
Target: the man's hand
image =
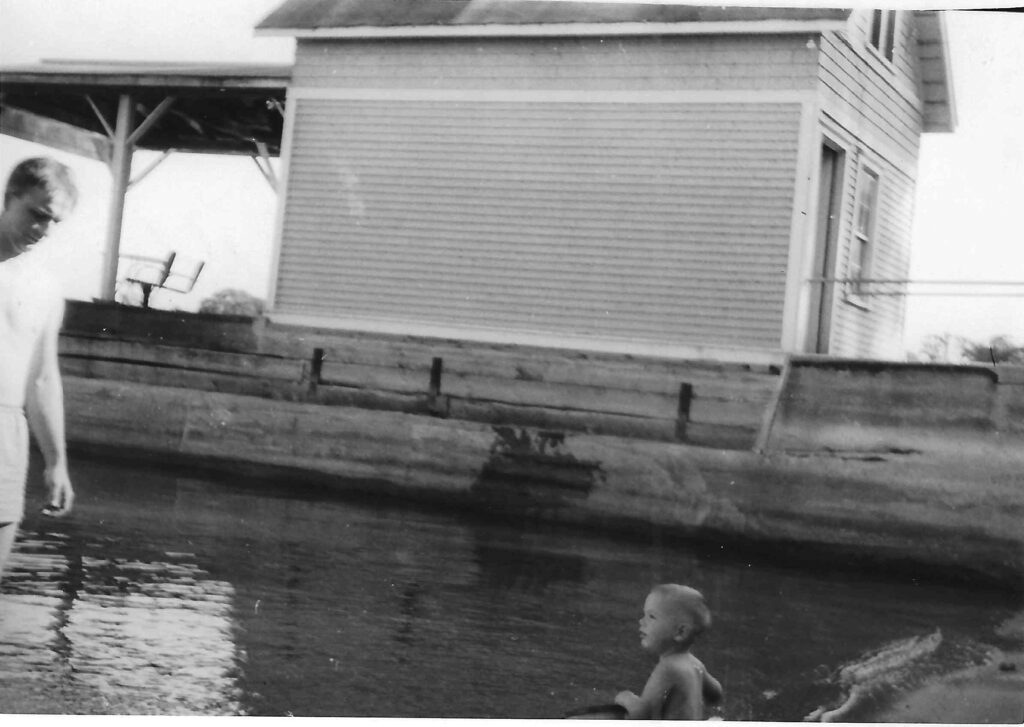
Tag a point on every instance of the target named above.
point(62, 495)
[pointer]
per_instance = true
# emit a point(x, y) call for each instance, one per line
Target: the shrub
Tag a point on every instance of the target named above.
point(232, 301)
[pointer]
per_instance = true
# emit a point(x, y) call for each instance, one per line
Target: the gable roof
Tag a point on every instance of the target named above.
point(383, 19)
point(419, 18)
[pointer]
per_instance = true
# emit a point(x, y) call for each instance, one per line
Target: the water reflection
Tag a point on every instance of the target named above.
point(173, 593)
point(119, 635)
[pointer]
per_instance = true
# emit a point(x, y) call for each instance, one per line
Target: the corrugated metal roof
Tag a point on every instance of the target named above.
point(320, 14)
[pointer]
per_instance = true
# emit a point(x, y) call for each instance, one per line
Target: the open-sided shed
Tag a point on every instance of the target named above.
point(107, 110)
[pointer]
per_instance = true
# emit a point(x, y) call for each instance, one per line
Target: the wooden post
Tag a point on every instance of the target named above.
point(123, 140)
point(316, 366)
point(683, 414)
point(120, 168)
point(438, 404)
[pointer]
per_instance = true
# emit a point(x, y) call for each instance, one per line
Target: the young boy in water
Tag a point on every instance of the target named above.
point(674, 617)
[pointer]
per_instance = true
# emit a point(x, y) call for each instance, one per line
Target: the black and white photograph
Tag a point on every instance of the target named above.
point(511, 360)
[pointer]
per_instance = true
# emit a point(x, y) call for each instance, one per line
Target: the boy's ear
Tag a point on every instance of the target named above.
point(682, 631)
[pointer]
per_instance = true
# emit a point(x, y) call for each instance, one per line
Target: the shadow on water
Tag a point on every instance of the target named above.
point(177, 593)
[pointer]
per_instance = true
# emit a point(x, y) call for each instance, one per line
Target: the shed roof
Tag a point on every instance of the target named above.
point(302, 17)
point(218, 107)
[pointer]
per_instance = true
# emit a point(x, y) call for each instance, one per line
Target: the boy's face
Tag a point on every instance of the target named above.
point(661, 630)
point(28, 217)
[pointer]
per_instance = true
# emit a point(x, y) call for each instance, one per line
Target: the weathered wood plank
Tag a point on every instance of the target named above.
point(56, 134)
point(546, 366)
point(561, 396)
point(720, 436)
point(386, 378)
point(109, 412)
point(195, 330)
point(371, 348)
point(635, 374)
point(732, 413)
point(373, 399)
point(563, 420)
point(193, 359)
point(180, 378)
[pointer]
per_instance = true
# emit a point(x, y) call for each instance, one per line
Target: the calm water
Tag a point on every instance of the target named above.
point(183, 594)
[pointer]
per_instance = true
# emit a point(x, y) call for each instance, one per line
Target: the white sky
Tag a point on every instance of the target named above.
point(967, 216)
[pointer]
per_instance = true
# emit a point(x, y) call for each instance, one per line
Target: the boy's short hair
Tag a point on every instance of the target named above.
point(41, 173)
point(686, 600)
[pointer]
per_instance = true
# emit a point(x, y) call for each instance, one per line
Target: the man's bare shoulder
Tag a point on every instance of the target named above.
point(30, 295)
point(30, 277)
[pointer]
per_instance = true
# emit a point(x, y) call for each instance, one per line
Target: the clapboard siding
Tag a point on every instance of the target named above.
point(875, 330)
point(693, 62)
point(856, 90)
point(666, 224)
point(903, 69)
point(879, 106)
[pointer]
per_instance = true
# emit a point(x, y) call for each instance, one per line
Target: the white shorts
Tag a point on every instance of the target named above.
point(13, 464)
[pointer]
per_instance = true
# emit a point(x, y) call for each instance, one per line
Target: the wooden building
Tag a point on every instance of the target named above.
point(656, 179)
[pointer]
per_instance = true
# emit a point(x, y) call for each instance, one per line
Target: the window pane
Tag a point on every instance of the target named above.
point(890, 35)
point(876, 28)
point(867, 203)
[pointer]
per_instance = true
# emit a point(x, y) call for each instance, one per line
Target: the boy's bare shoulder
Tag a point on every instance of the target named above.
point(683, 666)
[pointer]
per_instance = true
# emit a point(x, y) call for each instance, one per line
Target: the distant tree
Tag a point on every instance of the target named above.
point(999, 349)
point(938, 347)
point(232, 301)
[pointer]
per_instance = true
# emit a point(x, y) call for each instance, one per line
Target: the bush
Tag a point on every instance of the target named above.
point(232, 301)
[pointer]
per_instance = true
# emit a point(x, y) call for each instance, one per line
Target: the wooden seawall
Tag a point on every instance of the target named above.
point(699, 402)
point(693, 448)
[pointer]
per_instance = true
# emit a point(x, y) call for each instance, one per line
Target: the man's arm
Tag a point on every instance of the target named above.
point(44, 407)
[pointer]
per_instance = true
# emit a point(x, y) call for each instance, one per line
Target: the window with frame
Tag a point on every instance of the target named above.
point(864, 231)
point(882, 35)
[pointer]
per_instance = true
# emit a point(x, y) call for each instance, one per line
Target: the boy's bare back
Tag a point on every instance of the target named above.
point(690, 687)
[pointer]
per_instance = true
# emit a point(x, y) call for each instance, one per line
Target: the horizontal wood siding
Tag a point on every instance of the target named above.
point(861, 94)
point(875, 330)
point(878, 105)
point(654, 222)
point(652, 63)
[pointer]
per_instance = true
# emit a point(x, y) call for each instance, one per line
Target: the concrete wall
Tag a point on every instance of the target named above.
point(928, 513)
point(872, 406)
point(867, 462)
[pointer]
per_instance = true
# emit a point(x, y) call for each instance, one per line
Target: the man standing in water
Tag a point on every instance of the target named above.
point(39, 193)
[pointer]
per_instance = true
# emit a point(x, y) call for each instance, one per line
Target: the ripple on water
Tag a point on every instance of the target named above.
point(114, 635)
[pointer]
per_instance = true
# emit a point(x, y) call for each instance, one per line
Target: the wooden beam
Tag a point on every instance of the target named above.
point(57, 134)
point(153, 165)
point(152, 118)
point(265, 168)
point(100, 116)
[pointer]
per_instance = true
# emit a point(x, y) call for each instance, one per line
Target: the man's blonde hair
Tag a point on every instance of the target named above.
point(42, 173)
